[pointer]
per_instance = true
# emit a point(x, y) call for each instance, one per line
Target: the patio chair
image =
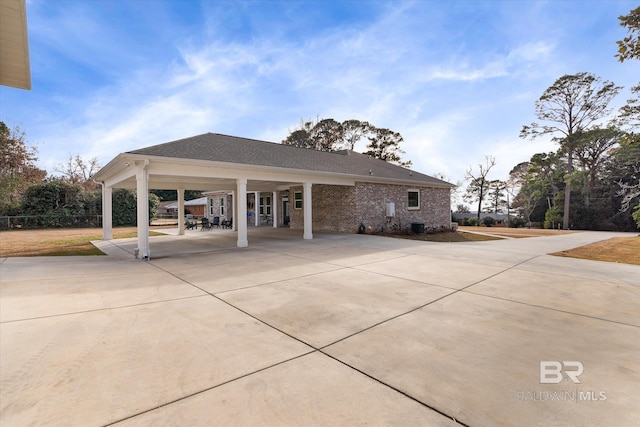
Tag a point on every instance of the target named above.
point(205, 224)
point(228, 223)
point(216, 222)
point(190, 225)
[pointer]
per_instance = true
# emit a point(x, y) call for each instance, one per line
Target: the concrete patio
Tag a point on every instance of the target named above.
point(338, 330)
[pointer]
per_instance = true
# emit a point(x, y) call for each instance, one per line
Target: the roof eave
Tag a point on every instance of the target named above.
point(15, 69)
point(227, 165)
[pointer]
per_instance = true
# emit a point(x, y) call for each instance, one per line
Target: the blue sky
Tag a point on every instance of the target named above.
point(457, 79)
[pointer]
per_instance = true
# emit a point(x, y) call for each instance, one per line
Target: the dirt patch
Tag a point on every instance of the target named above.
point(446, 237)
point(619, 249)
point(516, 232)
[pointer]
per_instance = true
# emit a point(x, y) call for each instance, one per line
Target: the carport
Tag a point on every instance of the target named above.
point(211, 162)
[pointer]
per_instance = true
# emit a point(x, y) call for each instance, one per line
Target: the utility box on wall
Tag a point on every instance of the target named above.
point(391, 209)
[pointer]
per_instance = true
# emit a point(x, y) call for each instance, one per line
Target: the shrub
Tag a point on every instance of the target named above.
point(125, 207)
point(552, 217)
point(488, 221)
point(517, 222)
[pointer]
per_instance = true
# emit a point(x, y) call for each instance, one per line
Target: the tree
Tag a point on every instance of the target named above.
point(330, 135)
point(326, 134)
point(526, 197)
point(171, 195)
point(299, 138)
point(629, 47)
point(17, 167)
point(591, 146)
point(78, 171)
point(353, 131)
point(58, 203)
point(629, 114)
point(625, 170)
point(495, 192)
point(384, 144)
point(55, 197)
point(573, 104)
point(125, 207)
point(477, 188)
point(461, 208)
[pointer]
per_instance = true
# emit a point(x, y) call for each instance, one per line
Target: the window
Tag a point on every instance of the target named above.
point(222, 206)
point(265, 205)
point(297, 200)
point(211, 213)
point(414, 199)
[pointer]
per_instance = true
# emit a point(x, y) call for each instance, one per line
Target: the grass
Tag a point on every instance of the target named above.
point(619, 249)
point(58, 242)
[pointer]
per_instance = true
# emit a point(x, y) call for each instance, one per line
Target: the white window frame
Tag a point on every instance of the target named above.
point(211, 207)
point(221, 206)
point(297, 202)
point(413, 208)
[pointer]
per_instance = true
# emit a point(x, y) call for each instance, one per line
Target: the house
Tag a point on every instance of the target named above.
point(168, 208)
point(277, 185)
point(195, 207)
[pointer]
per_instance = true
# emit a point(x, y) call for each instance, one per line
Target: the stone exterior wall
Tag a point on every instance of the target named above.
point(343, 208)
point(371, 201)
point(213, 200)
point(296, 216)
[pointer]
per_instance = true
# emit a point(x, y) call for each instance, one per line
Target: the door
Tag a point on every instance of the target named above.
point(285, 212)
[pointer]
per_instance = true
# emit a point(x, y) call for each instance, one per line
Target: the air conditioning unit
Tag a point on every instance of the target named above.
point(391, 209)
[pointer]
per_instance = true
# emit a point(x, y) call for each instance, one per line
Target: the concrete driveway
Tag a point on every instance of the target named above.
point(340, 330)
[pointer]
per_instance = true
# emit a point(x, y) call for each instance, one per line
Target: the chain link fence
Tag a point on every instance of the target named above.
point(32, 222)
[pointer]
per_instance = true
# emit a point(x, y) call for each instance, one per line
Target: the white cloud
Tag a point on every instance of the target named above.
point(455, 88)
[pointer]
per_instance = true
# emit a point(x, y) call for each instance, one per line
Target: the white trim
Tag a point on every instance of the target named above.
point(142, 195)
point(295, 200)
point(180, 211)
point(413, 208)
point(274, 209)
point(308, 214)
point(240, 220)
point(107, 212)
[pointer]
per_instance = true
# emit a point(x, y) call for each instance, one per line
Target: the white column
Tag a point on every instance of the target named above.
point(241, 219)
point(234, 211)
point(107, 212)
point(274, 209)
point(256, 208)
point(142, 190)
point(306, 202)
point(180, 211)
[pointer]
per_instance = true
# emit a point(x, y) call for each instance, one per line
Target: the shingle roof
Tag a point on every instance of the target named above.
point(232, 149)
